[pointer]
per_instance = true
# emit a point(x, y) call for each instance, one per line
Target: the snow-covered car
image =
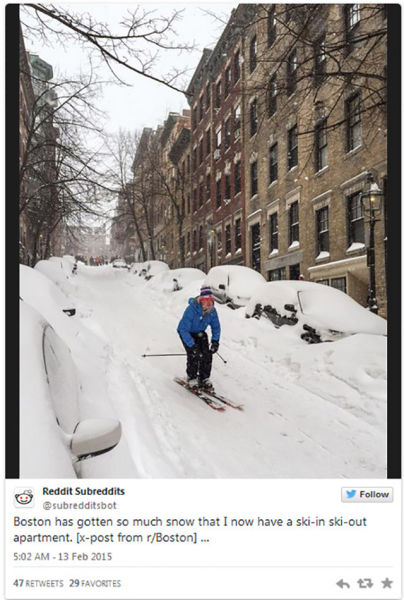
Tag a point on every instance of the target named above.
point(54, 439)
point(174, 280)
point(39, 291)
point(233, 284)
point(149, 268)
point(120, 263)
point(321, 313)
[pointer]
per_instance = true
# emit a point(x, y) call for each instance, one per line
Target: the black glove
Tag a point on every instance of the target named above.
point(214, 347)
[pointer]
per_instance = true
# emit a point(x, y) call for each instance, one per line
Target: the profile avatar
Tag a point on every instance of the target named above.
point(25, 497)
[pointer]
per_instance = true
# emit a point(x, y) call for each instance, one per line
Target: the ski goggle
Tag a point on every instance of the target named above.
point(206, 301)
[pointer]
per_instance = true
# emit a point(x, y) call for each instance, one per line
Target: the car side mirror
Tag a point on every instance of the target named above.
point(222, 286)
point(290, 307)
point(92, 437)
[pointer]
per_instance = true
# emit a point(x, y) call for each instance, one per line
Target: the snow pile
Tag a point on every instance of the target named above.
point(310, 410)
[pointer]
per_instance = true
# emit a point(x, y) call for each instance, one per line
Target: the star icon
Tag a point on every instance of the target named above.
point(387, 583)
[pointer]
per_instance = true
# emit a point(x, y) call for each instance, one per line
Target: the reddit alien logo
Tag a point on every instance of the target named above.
point(23, 498)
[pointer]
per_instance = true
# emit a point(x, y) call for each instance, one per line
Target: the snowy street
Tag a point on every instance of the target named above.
point(309, 410)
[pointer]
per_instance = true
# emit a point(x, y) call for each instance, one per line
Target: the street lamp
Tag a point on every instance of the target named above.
point(371, 204)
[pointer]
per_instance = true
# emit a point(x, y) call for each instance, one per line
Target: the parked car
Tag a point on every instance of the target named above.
point(53, 438)
point(38, 290)
point(120, 263)
point(174, 280)
point(149, 269)
point(322, 313)
point(233, 284)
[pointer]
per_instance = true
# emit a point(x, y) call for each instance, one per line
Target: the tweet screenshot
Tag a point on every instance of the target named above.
point(203, 242)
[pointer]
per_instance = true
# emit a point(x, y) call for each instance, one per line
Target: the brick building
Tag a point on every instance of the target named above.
point(288, 118)
point(310, 139)
point(215, 96)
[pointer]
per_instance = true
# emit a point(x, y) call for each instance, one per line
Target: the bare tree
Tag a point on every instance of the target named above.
point(135, 45)
point(61, 178)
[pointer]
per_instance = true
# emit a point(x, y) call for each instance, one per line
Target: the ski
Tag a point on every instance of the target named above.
point(212, 402)
point(213, 394)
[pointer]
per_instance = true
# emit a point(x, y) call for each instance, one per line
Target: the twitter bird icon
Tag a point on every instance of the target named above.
point(350, 493)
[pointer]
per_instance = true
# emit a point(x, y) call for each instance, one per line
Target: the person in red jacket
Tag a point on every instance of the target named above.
point(199, 314)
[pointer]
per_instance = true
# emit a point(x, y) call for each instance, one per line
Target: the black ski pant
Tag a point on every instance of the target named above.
point(199, 366)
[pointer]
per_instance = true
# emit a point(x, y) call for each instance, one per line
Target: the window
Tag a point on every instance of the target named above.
point(227, 81)
point(323, 242)
point(219, 242)
point(294, 272)
point(227, 186)
point(320, 60)
point(277, 274)
point(193, 119)
point(207, 186)
point(207, 96)
point(254, 178)
point(321, 145)
point(200, 237)
point(201, 110)
point(237, 66)
point(292, 147)
point(188, 204)
point(218, 94)
point(293, 223)
point(227, 133)
point(237, 177)
point(218, 193)
point(291, 68)
point(200, 152)
point(352, 19)
point(273, 163)
point(228, 239)
point(273, 232)
point(194, 200)
point(207, 143)
point(356, 233)
point(339, 283)
point(237, 121)
point(200, 194)
point(323, 281)
point(271, 26)
point(253, 117)
point(189, 241)
point(353, 121)
point(272, 96)
point(194, 240)
point(194, 158)
point(237, 234)
point(253, 53)
point(218, 140)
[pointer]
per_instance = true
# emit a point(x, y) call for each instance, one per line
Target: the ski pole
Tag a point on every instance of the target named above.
point(225, 361)
point(147, 355)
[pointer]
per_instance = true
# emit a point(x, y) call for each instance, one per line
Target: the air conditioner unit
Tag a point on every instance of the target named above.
point(216, 154)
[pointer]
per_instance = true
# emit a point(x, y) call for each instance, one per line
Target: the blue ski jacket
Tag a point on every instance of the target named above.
point(193, 321)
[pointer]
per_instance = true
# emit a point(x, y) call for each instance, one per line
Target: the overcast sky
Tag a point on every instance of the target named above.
point(144, 103)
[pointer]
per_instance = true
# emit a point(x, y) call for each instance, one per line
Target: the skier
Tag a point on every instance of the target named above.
point(199, 313)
